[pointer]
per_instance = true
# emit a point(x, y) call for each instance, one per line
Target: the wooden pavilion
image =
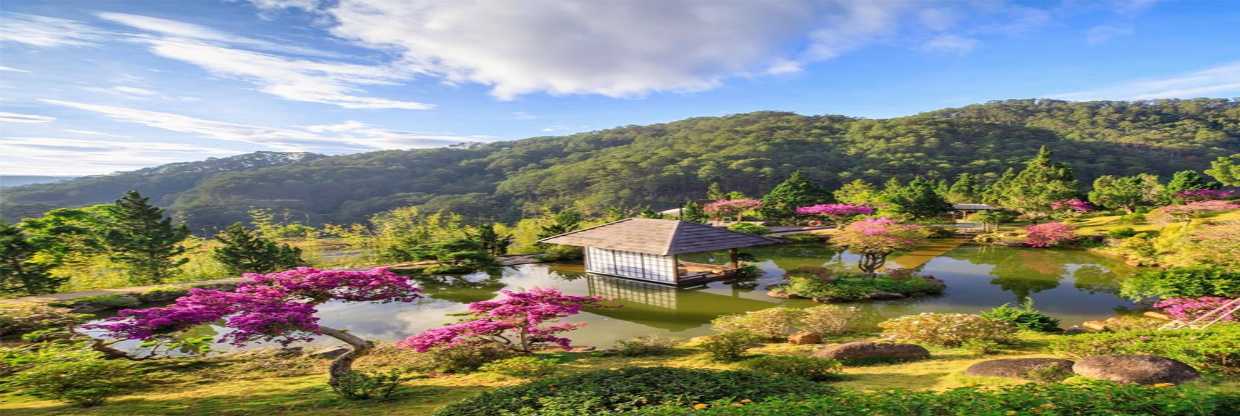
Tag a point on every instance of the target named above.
point(647, 249)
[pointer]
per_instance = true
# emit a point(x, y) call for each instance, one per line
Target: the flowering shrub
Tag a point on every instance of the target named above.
point(946, 329)
point(1187, 309)
point(876, 238)
point(829, 319)
point(1206, 194)
point(729, 208)
point(772, 323)
point(1073, 205)
point(1049, 234)
point(835, 212)
point(516, 321)
point(1194, 209)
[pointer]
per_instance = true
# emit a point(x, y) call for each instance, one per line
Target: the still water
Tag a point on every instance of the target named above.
point(1071, 285)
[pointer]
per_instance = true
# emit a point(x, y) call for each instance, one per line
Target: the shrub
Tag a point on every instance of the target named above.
point(749, 228)
point(1188, 309)
point(79, 376)
point(16, 320)
point(730, 346)
point(1049, 234)
point(946, 329)
point(855, 288)
point(102, 302)
point(1094, 398)
point(1123, 232)
point(357, 385)
point(463, 358)
point(1135, 218)
point(771, 323)
point(1023, 317)
point(809, 368)
point(1181, 282)
point(605, 392)
point(1213, 350)
point(829, 319)
point(980, 346)
point(1048, 373)
point(522, 366)
point(644, 345)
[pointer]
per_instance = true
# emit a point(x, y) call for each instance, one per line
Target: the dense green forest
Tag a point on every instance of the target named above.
point(662, 165)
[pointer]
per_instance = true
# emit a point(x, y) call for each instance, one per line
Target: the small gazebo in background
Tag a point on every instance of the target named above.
point(965, 209)
point(646, 249)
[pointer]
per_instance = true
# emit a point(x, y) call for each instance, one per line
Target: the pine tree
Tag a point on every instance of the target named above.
point(1034, 188)
point(917, 199)
point(144, 240)
point(714, 192)
point(18, 273)
point(692, 212)
point(857, 192)
point(1127, 193)
point(1226, 169)
point(492, 242)
point(1188, 180)
point(781, 203)
point(964, 190)
point(246, 251)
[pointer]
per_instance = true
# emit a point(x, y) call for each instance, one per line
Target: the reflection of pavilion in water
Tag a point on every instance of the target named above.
point(662, 306)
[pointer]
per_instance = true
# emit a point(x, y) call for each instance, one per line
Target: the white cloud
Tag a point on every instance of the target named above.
point(182, 30)
point(12, 69)
point(273, 5)
point(617, 49)
point(1103, 33)
point(34, 155)
point(95, 133)
point(1221, 80)
point(46, 31)
point(950, 44)
point(25, 118)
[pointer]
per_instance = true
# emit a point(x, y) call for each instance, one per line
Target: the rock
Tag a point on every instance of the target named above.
point(329, 353)
point(1016, 367)
point(873, 351)
point(885, 296)
point(802, 338)
point(778, 293)
point(1075, 329)
point(1098, 326)
point(1140, 369)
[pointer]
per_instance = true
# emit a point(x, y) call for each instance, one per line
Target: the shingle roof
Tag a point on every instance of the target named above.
point(661, 237)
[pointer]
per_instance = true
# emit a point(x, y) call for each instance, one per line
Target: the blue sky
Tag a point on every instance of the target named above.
point(90, 87)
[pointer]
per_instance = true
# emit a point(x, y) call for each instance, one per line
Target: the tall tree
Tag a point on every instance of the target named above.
point(19, 274)
point(1188, 180)
point(144, 240)
point(964, 190)
point(1127, 192)
point(917, 199)
point(492, 241)
point(1226, 170)
point(1034, 188)
point(692, 212)
point(247, 251)
point(857, 192)
point(796, 191)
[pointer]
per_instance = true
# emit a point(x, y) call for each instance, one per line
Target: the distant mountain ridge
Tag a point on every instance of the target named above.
point(9, 181)
point(662, 165)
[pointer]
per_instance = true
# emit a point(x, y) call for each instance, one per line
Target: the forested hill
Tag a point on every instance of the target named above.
point(661, 165)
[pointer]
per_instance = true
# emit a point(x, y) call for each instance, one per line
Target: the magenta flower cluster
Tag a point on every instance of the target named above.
point(519, 320)
point(1074, 204)
point(835, 210)
point(1049, 234)
point(1200, 207)
point(278, 307)
point(1187, 309)
point(1206, 194)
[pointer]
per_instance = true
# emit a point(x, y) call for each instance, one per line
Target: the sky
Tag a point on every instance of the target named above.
point(97, 86)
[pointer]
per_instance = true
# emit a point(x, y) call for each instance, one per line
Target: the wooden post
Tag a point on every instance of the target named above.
point(736, 264)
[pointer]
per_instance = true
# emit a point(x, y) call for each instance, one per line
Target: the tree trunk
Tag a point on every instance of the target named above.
point(869, 263)
point(343, 364)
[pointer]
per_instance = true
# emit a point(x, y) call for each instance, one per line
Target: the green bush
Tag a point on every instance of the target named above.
point(829, 319)
point(358, 385)
point(102, 302)
point(771, 323)
point(644, 345)
point(16, 320)
point(749, 228)
point(1026, 399)
point(1048, 373)
point(524, 366)
point(1212, 350)
point(809, 368)
point(79, 376)
point(464, 358)
point(946, 329)
point(980, 346)
point(1133, 218)
point(730, 346)
point(1123, 232)
point(610, 392)
point(1182, 282)
point(1023, 317)
point(849, 288)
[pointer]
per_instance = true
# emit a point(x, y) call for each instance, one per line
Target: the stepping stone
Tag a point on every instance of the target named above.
point(1139, 369)
point(867, 351)
point(1016, 367)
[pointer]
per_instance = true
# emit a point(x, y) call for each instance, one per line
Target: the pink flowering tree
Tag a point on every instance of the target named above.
point(1187, 309)
point(520, 321)
point(1071, 207)
point(876, 238)
point(731, 208)
point(1049, 234)
point(1194, 195)
point(835, 213)
point(275, 307)
point(1192, 209)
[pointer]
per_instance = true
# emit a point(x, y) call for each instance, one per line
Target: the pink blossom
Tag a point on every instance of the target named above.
point(1206, 194)
point(516, 321)
point(1187, 309)
point(731, 207)
point(1074, 204)
point(835, 210)
point(1048, 234)
point(1200, 207)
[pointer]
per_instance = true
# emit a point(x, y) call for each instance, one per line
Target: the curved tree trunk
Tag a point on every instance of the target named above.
point(870, 263)
point(343, 364)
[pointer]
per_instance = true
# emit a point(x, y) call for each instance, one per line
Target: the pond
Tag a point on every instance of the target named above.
point(1071, 285)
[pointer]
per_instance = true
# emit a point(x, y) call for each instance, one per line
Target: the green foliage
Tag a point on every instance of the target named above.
point(645, 345)
point(826, 320)
point(1093, 398)
point(946, 329)
point(1121, 232)
point(1048, 373)
point(848, 288)
point(1128, 192)
point(916, 199)
point(748, 228)
point(966, 189)
point(523, 366)
point(68, 236)
point(458, 359)
point(612, 392)
point(771, 323)
point(991, 220)
point(110, 301)
point(1181, 282)
point(560, 223)
point(1023, 317)
point(1032, 190)
point(144, 240)
point(1226, 170)
point(492, 241)
point(19, 319)
point(460, 255)
point(244, 251)
point(19, 272)
point(1215, 349)
point(809, 368)
point(79, 376)
point(781, 202)
point(358, 385)
point(730, 346)
point(858, 192)
point(1188, 180)
point(980, 346)
point(692, 212)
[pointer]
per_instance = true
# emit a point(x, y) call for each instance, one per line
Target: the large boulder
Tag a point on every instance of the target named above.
point(867, 351)
point(1017, 367)
point(1139, 369)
